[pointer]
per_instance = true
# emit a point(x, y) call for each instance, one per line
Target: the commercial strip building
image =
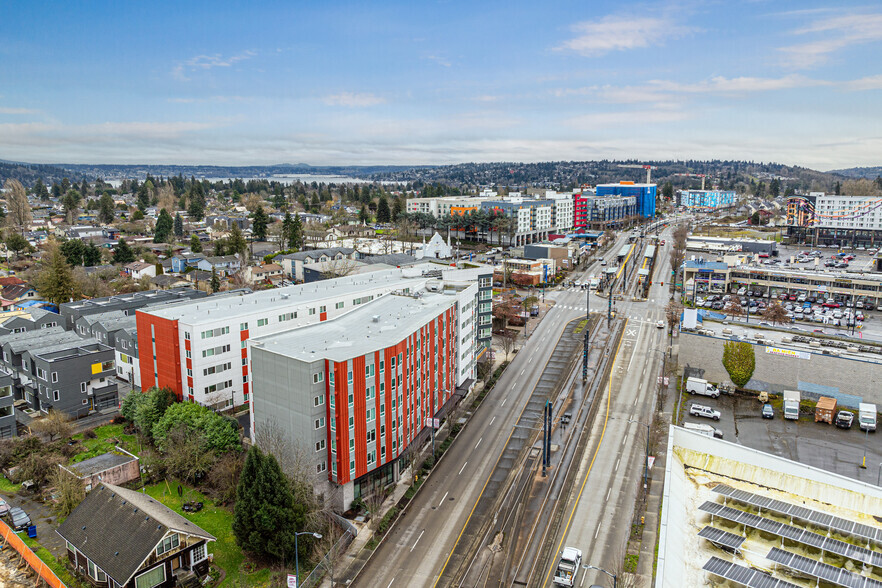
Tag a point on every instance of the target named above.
point(726, 245)
point(357, 391)
point(719, 277)
point(736, 516)
point(839, 220)
point(706, 199)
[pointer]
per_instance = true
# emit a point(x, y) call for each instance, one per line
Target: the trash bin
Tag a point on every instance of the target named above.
point(32, 531)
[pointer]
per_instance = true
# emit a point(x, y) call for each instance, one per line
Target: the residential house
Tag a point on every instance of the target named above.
point(180, 263)
point(111, 233)
point(224, 265)
point(292, 263)
point(8, 426)
point(114, 467)
point(84, 232)
point(119, 538)
point(140, 269)
point(228, 221)
point(118, 330)
point(263, 273)
point(351, 231)
point(165, 281)
point(20, 321)
point(10, 295)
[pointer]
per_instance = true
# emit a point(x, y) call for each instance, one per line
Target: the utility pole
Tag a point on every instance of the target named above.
point(587, 325)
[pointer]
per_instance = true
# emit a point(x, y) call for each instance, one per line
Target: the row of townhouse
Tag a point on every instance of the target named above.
point(117, 330)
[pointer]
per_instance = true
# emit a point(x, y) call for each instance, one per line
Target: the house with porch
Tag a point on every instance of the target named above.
point(119, 538)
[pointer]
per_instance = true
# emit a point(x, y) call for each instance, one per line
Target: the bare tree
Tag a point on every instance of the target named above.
point(18, 217)
point(733, 308)
point(508, 339)
point(373, 503)
point(776, 314)
point(331, 549)
point(69, 490)
point(166, 199)
point(338, 268)
point(54, 424)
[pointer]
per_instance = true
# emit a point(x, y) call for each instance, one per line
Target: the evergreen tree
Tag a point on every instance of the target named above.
point(363, 214)
point(91, 255)
point(287, 223)
point(56, 190)
point(73, 251)
point(71, 201)
point(106, 212)
point(144, 196)
point(163, 229)
point(55, 281)
point(295, 237)
point(397, 210)
point(122, 253)
point(196, 207)
point(179, 225)
point(236, 242)
point(65, 185)
point(259, 222)
point(266, 516)
point(384, 215)
point(215, 281)
point(195, 244)
point(40, 190)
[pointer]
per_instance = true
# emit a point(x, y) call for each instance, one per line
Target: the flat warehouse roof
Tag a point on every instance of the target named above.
point(377, 325)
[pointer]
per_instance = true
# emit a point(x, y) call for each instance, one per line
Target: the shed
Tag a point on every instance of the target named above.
point(114, 467)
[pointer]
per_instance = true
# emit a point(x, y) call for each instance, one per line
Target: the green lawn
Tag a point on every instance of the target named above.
point(218, 521)
point(107, 437)
point(56, 566)
point(8, 487)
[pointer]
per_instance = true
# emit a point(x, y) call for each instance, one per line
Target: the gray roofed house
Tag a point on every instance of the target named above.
point(292, 263)
point(70, 311)
point(118, 536)
point(114, 467)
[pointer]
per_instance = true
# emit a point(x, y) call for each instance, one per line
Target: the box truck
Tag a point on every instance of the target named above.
point(825, 410)
point(867, 416)
point(699, 386)
point(791, 404)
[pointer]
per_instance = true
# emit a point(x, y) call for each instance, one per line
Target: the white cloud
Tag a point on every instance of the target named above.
point(620, 33)
point(115, 133)
point(830, 35)
point(353, 100)
point(440, 60)
point(738, 85)
point(9, 110)
point(206, 62)
point(867, 83)
point(627, 118)
point(222, 99)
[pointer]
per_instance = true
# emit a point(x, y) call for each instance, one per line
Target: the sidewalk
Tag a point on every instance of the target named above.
point(646, 563)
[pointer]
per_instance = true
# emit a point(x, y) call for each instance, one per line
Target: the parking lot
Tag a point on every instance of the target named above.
point(816, 444)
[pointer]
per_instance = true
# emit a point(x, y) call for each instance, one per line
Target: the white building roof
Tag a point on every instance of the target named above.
point(377, 325)
point(207, 310)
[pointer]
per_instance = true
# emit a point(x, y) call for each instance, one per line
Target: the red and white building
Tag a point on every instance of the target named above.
point(357, 391)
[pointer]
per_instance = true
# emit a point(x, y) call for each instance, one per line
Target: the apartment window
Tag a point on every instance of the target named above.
point(189, 355)
point(215, 350)
point(319, 377)
point(243, 326)
point(382, 387)
point(368, 371)
point(370, 414)
point(56, 396)
point(331, 377)
point(215, 332)
point(95, 573)
point(41, 373)
point(198, 554)
point(169, 543)
point(352, 466)
point(339, 305)
point(320, 423)
point(107, 365)
point(311, 311)
point(382, 409)
point(371, 435)
point(215, 369)
point(54, 377)
point(382, 366)
point(186, 334)
point(262, 322)
point(321, 467)
point(244, 361)
point(287, 316)
point(243, 344)
point(219, 387)
point(82, 386)
point(348, 376)
point(351, 421)
point(318, 400)
point(351, 398)
point(320, 445)
point(351, 444)
point(371, 457)
point(383, 452)
point(370, 393)
point(323, 309)
point(393, 362)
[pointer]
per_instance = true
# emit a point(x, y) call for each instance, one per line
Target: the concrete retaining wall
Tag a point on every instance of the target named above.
point(776, 373)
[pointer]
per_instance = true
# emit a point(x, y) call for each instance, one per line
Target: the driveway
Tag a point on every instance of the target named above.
point(44, 517)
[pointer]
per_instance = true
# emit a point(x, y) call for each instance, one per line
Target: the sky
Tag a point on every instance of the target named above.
point(427, 83)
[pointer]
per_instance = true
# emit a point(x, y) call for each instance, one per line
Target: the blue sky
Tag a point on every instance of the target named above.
point(331, 83)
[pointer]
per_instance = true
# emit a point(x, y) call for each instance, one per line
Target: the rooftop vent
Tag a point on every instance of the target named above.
point(376, 318)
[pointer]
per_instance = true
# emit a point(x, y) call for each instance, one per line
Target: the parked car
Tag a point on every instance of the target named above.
point(20, 519)
point(4, 508)
point(844, 419)
point(704, 411)
point(768, 411)
point(660, 325)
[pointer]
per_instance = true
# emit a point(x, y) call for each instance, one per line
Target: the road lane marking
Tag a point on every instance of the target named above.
point(417, 541)
point(393, 579)
point(522, 371)
point(597, 532)
point(479, 442)
point(440, 504)
point(587, 473)
point(491, 420)
point(617, 464)
point(503, 401)
point(608, 493)
point(463, 467)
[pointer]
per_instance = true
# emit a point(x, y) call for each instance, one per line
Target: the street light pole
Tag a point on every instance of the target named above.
point(866, 441)
point(611, 575)
point(297, 553)
point(645, 461)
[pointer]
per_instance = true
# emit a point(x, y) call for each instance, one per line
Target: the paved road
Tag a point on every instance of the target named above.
point(598, 514)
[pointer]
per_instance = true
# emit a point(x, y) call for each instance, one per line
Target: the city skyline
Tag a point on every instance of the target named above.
point(449, 82)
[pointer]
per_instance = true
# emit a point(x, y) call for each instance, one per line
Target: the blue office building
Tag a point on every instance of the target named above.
point(644, 193)
point(706, 198)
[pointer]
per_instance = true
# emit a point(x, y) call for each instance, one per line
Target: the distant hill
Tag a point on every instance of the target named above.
point(28, 173)
point(871, 173)
point(221, 171)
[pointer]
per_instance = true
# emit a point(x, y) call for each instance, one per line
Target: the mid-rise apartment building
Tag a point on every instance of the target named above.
point(830, 219)
point(592, 211)
point(358, 389)
point(199, 349)
point(706, 198)
point(645, 195)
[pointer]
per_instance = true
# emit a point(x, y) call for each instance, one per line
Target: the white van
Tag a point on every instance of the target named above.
point(704, 430)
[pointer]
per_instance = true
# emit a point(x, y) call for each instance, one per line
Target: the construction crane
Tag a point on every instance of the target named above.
point(648, 169)
point(702, 176)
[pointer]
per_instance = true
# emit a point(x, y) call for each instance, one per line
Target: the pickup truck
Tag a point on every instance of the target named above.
point(704, 411)
point(568, 567)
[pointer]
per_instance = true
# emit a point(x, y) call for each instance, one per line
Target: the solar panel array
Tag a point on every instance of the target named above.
point(803, 536)
point(826, 572)
point(722, 538)
point(744, 576)
point(822, 519)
